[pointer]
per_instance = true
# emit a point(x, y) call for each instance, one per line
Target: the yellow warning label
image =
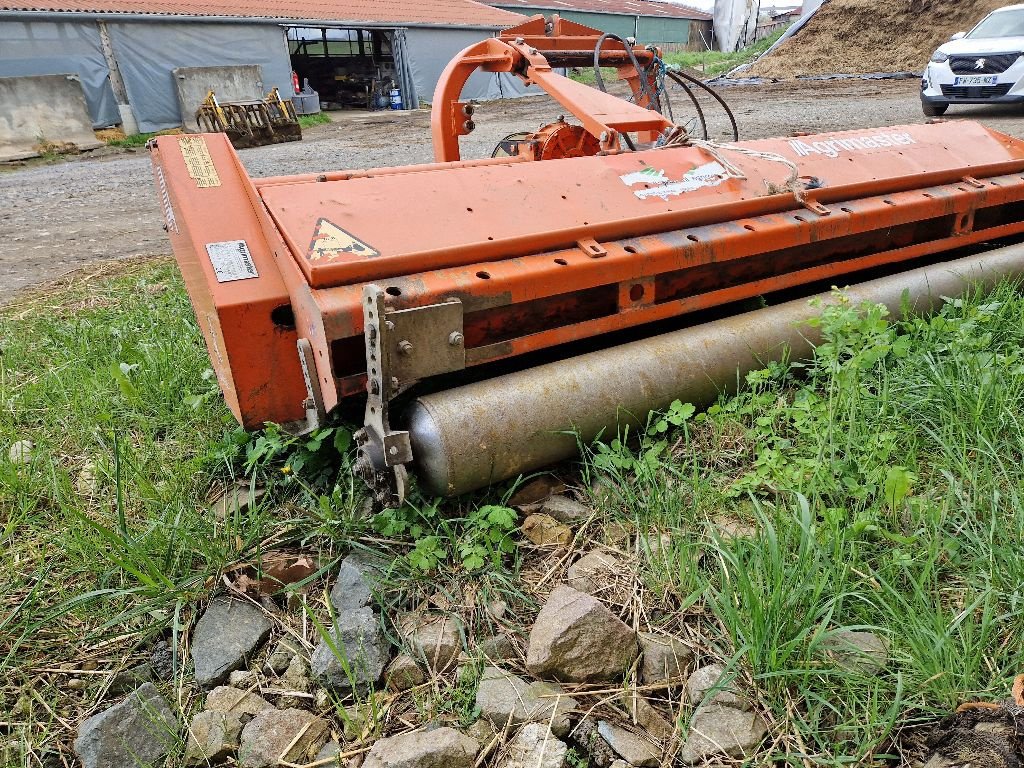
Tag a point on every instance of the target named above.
point(197, 159)
point(331, 241)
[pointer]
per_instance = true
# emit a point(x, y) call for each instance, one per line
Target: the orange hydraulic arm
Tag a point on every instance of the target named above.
point(529, 51)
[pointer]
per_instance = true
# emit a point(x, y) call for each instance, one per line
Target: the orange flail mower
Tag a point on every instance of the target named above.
point(310, 296)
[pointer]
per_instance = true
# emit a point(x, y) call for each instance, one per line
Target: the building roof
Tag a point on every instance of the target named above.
point(459, 13)
point(626, 7)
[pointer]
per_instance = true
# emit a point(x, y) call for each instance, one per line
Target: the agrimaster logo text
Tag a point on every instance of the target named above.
point(833, 147)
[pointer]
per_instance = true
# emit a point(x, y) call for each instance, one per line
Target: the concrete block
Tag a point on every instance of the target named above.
point(40, 110)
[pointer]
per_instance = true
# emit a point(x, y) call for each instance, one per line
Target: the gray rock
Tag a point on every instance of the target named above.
point(544, 530)
point(137, 732)
point(329, 751)
point(664, 658)
point(565, 510)
point(266, 739)
point(403, 673)
point(243, 678)
point(161, 659)
point(717, 730)
point(128, 680)
point(358, 576)
point(863, 652)
point(434, 638)
point(586, 735)
point(287, 648)
point(619, 764)
point(535, 746)
point(245, 704)
point(593, 572)
point(482, 731)
point(439, 748)
point(359, 641)
point(296, 680)
point(576, 638)
point(502, 697)
point(21, 452)
point(701, 683)
point(225, 638)
point(631, 747)
point(236, 500)
point(212, 738)
point(499, 647)
point(652, 720)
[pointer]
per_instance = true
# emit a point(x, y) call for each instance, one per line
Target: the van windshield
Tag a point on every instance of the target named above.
point(1000, 24)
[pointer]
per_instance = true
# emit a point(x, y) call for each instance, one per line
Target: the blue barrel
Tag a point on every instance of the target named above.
point(396, 98)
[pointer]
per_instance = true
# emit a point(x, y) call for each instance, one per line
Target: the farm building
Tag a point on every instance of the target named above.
point(130, 54)
point(672, 26)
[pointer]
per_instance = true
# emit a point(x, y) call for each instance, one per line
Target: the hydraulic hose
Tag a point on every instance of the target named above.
point(676, 75)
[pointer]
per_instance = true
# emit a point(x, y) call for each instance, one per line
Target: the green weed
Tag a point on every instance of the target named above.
point(320, 118)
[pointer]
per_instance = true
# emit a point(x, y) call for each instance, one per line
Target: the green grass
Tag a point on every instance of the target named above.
point(320, 118)
point(138, 140)
point(712, 63)
point(882, 483)
point(879, 483)
point(707, 63)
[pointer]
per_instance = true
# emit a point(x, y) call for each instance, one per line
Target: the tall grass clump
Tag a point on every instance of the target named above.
point(875, 488)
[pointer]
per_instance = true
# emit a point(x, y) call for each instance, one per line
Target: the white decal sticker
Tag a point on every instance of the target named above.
point(231, 261)
point(646, 176)
point(707, 175)
point(832, 147)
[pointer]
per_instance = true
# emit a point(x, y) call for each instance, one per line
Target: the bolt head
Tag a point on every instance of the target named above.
point(405, 346)
point(455, 338)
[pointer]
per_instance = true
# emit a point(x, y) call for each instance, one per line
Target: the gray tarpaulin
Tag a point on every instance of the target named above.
point(430, 50)
point(147, 53)
point(56, 48)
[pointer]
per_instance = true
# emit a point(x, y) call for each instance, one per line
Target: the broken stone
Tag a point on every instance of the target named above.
point(544, 530)
point(504, 698)
point(434, 638)
point(707, 678)
point(357, 721)
point(359, 641)
point(664, 658)
point(137, 732)
point(863, 652)
point(161, 659)
point(593, 572)
point(236, 499)
point(287, 648)
point(577, 639)
point(498, 648)
point(128, 680)
point(86, 482)
point(281, 735)
point(243, 678)
point(330, 751)
point(717, 730)
point(629, 746)
point(297, 682)
point(481, 731)
point(535, 746)
point(225, 638)
point(439, 748)
point(586, 735)
point(658, 544)
point(21, 452)
point(535, 491)
point(358, 576)
point(497, 608)
point(651, 720)
point(212, 738)
point(245, 704)
point(566, 510)
point(617, 534)
point(404, 673)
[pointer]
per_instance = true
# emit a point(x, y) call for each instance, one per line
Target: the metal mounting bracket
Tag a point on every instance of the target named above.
point(402, 346)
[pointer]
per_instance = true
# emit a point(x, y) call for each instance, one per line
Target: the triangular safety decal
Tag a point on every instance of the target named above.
point(331, 241)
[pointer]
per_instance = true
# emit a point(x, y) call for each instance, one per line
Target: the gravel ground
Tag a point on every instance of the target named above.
point(64, 216)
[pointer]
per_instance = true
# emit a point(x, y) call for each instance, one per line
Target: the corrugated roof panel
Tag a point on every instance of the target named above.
point(447, 12)
point(630, 7)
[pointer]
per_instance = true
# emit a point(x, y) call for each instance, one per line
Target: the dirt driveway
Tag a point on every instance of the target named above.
point(61, 217)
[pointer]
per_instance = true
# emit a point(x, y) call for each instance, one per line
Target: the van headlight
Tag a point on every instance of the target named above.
point(938, 57)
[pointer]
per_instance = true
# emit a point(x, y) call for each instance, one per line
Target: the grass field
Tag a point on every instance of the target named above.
point(876, 487)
